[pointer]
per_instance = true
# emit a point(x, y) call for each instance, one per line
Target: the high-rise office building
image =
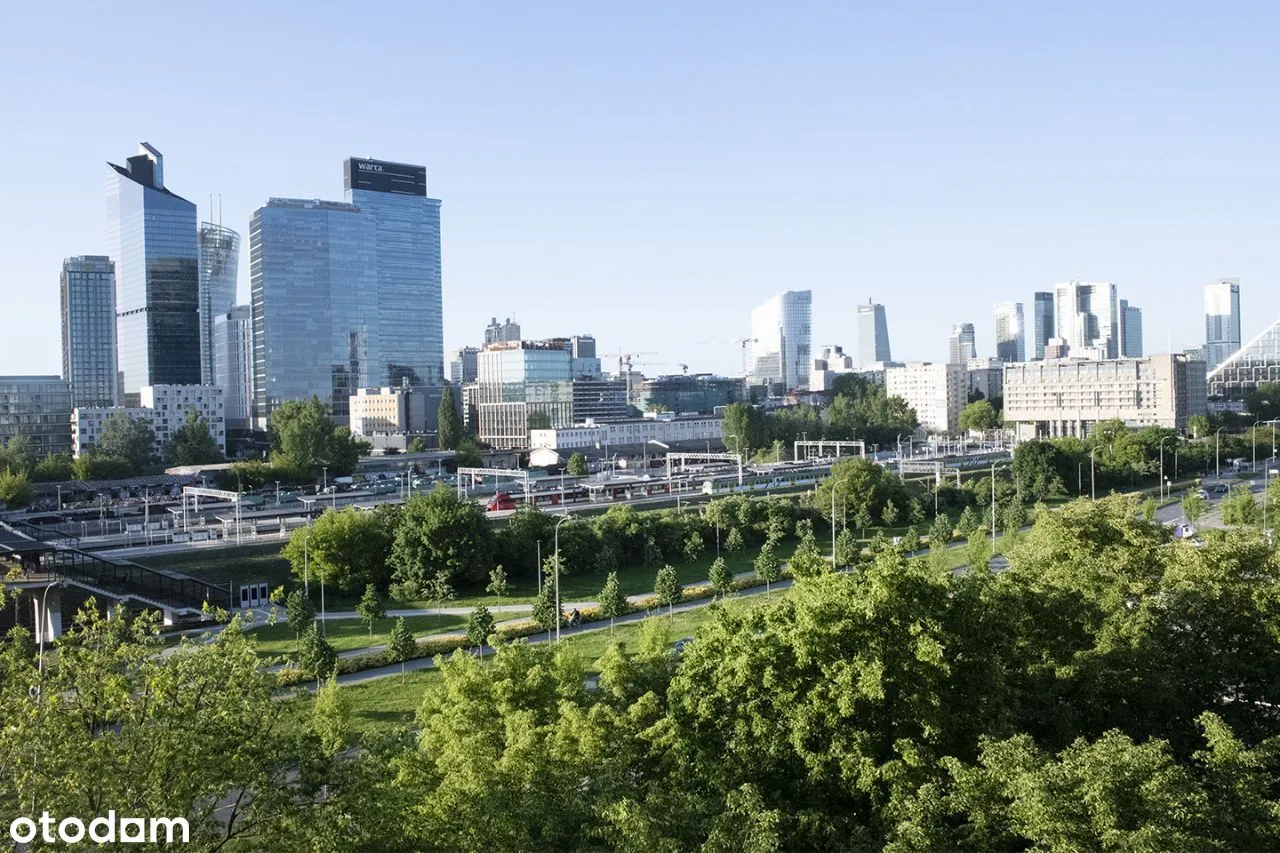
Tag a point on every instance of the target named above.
point(1042, 315)
point(1011, 336)
point(1243, 371)
point(233, 364)
point(962, 345)
point(462, 366)
point(873, 335)
point(1086, 315)
point(314, 284)
point(498, 333)
point(88, 294)
point(39, 409)
point(410, 318)
point(151, 238)
point(780, 340)
point(219, 263)
point(1130, 330)
point(1221, 321)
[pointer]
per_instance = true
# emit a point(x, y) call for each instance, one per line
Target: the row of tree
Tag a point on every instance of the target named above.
point(1112, 690)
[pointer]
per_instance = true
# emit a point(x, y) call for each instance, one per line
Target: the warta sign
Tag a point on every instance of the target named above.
point(385, 177)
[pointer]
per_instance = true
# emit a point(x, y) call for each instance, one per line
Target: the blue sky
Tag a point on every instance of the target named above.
point(649, 172)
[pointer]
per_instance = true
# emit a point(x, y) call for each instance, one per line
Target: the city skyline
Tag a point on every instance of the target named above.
point(982, 215)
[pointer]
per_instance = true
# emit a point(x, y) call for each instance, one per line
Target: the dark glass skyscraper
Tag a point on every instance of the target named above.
point(151, 236)
point(219, 262)
point(1042, 320)
point(314, 285)
point(410, 321)
point(88, 296)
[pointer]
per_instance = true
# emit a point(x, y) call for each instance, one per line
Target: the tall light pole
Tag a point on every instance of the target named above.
point(993, 509)
point(1162, 441)
point(42, 621)
point(1093, 477)
point(1253, 440)
point(1217, 456)
point(562, 520)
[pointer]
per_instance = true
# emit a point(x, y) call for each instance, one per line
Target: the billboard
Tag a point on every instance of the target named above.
point(384, 177)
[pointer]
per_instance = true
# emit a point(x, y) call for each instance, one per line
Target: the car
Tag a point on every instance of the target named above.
point(1201, 493)
point(1221, 489)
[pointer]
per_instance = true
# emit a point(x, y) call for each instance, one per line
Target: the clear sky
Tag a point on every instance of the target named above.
point(648, 172)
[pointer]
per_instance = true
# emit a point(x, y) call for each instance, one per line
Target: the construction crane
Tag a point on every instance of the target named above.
point(741, 342)
point(624, 358)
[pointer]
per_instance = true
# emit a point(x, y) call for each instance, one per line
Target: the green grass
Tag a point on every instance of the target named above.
point(388, 703)
point(258, 562)
point(350, 634)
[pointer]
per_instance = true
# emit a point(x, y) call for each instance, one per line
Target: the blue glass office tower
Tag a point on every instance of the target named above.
point(410, 317)
point(151, 237)
point(219, 262)
point(314, 302)
point(88, 296)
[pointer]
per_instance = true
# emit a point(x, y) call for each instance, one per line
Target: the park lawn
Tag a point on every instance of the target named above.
point(347, 635)
point(386, 704)
point(257, 562)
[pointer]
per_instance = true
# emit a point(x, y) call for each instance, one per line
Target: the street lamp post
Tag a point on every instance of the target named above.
point(1253, 441)
point(559, 619)
point(1161, 484)
point(993, 509)
point(1217, 456)
point(277, 494)
point(1093, 477)
point(42, 622)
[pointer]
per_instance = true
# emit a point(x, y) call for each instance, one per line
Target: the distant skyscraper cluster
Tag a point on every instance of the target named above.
point(962, 345)
point(1011, 339)
point(1221, 321)
point(781, 345)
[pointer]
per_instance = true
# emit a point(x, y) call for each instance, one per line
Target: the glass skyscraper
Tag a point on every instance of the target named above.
point(1011, 338)
point(962, 345)
point(781, 340)
point(1221, 321)
point(233, 364)
point(219, 263)
point(873, 334)
point(151, 237)
point(409, 321)
point(1086, 314)
point(314, 284)
point(1042, 315)
point(1130, 330)
point(88, 295)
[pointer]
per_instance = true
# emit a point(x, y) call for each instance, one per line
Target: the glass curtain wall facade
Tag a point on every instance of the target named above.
point(219, 262)
point(88, 296)
point(1042, 316)
point(410, 320)
point(233, 364)
point(1087, 315)
point(39, 408)
point(1130, 330)
point(873, 335)
point(781, 346)
point(1011, 338)
point(151, 235)
point(314, 284)
point(962, 345)
point(1221, 321)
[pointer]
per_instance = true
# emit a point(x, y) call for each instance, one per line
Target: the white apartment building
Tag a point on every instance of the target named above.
point(633, 431)
point(1066, 398)
point(164, 408)
point(937, 392)
point(387, 411)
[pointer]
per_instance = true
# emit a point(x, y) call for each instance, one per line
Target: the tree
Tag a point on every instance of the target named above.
point(577, 465)
point(497, 582)
point(612, 602)
point(304, 439)
point(417, 444)
point(693, 546)
point(1038, 467)
point(807, 561)
point(439, 589)
point(766, 564)
point(129, 440)
point(968, 522)
point(721, 577)
point(349, 548)
point(733, 541)
point(54, 468)
point(978, 416)
point(862, 518)
point(890, 514)
point(1194, 507)
point(743, 428)
point(92, 465)
point(1241, 507)
point(480, 626)
point(17, 454)
point(467, 455)
point(652, 553)
point(192, 444)
point(846, 550)
point(1013, 517)
point(1198, 426)
point(442, 533)
point(331, 717)
point(940, 532)
point(315, 656)
point(978, 551)
point(15, 490)
point(450, 424)
point(370, 607)
point(299, 613)
point(545, 614)
point(667, 587)
point(539, 420)
point(402, 646)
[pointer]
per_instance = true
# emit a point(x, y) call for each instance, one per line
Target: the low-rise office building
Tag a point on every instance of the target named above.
point(387, 411)
point(1066, 398)
point(937, 392)
point(37, 408)
point(632, 431)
